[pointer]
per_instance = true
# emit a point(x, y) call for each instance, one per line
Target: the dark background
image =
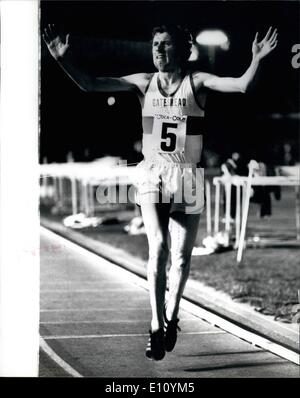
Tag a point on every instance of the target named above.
point(112, 38)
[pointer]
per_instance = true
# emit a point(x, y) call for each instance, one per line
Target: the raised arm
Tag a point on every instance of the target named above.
point(240, 84)
point(59, 47)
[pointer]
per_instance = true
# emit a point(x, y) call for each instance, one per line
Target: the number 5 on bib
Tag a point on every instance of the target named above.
point(171, 134)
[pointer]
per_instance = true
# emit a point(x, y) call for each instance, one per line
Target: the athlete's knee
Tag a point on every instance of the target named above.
point(180, 260)
point(158, 249)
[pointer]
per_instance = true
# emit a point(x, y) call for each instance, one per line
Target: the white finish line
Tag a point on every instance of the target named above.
point(105, 336)
point(194, 309)
point(57, 291)
point(84, 309)
point(102, 322)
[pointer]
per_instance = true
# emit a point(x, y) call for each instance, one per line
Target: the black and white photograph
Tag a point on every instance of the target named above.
point(167, 194)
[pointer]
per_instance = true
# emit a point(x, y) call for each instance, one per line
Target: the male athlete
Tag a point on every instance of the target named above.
point(170, 187)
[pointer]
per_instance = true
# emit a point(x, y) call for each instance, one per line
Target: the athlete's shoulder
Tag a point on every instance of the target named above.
point(140, 80)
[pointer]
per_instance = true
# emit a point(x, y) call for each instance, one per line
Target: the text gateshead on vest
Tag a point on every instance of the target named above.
point(169, 101)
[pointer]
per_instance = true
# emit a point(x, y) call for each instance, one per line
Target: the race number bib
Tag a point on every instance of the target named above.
point(169, 132)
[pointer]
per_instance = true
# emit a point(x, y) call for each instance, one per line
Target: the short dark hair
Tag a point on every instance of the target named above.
point(182, 38)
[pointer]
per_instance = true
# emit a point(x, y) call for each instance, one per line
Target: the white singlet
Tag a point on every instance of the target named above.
point(168, 119)
point(164, 174)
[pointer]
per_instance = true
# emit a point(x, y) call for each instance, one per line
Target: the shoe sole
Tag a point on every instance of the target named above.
point(151, 358)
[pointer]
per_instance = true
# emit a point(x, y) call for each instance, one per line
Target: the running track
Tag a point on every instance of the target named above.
point(94, 322)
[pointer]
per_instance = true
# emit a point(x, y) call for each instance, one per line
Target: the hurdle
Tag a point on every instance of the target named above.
point(287, 180)
point(83, 177)
point(288, 176)
point(208, 208)
point(253, 165)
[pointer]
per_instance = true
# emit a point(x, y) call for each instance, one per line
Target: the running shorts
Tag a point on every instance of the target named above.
point(161, 180)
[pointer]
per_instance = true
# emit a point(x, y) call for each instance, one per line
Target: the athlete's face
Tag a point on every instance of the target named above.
point(164, 54)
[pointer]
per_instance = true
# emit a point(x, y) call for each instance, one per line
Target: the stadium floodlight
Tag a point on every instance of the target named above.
point(215, 38)
point(111, 101)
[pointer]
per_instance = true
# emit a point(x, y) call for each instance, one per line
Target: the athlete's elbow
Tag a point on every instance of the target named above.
point(83, 88)
point(87, 84)
point(240, 85)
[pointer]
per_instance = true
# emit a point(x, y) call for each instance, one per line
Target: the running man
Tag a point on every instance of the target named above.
point(172, 102)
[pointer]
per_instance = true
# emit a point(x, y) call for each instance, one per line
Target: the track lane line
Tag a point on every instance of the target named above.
point(58, 360)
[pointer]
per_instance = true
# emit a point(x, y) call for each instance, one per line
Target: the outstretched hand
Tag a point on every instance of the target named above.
point(58, 44)
point(264, 47)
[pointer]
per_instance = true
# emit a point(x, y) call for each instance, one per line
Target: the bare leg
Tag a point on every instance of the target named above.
point(183, 230)
point(156, 220)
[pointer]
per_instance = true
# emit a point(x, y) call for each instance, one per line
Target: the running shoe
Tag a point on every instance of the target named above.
point(171, 328)
point(155, 349)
